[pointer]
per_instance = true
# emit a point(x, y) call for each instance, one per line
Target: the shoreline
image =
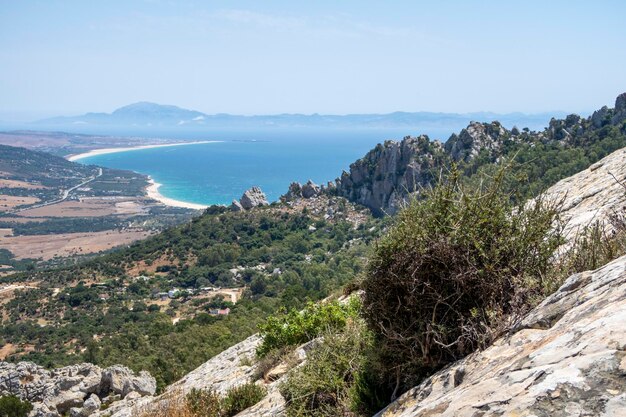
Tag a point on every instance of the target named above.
point(152, 191)
point(105, 151)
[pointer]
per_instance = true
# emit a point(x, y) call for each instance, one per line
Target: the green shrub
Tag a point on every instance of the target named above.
point(595, 246)
point(208, 403)
point(12, 406)
point(453, 269)
point(204, 403)
point(330, 383)
point(241, 397)
point(300, 326)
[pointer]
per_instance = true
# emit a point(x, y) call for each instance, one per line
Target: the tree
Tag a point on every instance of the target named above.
point(12, 406)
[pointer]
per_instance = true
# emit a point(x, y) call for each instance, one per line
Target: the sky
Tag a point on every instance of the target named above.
point(333, 57)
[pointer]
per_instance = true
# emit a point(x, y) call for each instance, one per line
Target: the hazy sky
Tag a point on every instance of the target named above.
point(262, 57)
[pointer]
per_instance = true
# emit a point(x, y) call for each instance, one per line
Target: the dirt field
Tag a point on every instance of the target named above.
point(48, 246)
point(20, 184)
point(8, 202)
point(88, 207)
point(9, 349)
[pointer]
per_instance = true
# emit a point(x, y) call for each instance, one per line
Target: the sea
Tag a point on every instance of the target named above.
point(218, 172)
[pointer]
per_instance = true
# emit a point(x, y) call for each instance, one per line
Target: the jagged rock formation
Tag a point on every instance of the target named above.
point(476, 138)
point(78, 389)
point(385, 178)
point(308, 190)
point(387, 174)
point(565, 358)
point(251, 198)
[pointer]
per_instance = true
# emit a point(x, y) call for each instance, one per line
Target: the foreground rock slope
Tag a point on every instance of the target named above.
point(567, 357)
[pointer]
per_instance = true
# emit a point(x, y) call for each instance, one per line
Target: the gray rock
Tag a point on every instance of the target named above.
point(294, 192)
point(620, 109)
point(92, 403)
point(390, 172)
point(310, 189)
point(598, 117)
point(253, 197)
point(122, 380)
point(236, 206)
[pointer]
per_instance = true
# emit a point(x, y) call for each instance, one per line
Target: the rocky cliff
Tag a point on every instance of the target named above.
point(391, 172)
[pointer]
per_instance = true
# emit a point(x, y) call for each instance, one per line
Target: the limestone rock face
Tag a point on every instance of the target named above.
point(474, 138)
point(593, 194)
point(620, 109)
point(236, 206)
point(567, 357)
point(294, 192)
point(310, 189)
point(121, 380)
point(387, 174)
point(251, 198)
point(75, 389)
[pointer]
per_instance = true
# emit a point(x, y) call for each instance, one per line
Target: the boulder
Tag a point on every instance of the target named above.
point(122, 380)
point(294, 192)
point(310, 189)
point(236, 206)
point(253, 197)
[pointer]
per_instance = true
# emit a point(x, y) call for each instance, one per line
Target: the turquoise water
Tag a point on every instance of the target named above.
point(217, 173)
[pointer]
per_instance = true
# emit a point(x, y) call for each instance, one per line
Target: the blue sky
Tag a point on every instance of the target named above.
point(265, 57)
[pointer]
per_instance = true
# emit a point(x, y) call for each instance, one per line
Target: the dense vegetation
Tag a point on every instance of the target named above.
point(277, 256)
point(453, 271)
point(12, 406)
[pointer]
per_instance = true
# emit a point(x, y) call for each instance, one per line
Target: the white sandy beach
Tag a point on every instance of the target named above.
point(153, 192)
point(105, 151)
point(153, 188)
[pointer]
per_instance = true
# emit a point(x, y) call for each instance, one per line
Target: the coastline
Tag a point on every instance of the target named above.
point(104, 151)
point(152, 190)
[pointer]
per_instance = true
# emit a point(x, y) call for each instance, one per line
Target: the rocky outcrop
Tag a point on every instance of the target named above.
point(386, 177)
point(476, 137)
point(567, 357)
point(251, 198)
point(390, 172)
point(78, 389)
point(310, 189)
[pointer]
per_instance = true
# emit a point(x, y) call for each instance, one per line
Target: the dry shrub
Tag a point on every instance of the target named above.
point(456, 266)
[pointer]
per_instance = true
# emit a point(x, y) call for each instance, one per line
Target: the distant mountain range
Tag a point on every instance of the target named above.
point(151, 115)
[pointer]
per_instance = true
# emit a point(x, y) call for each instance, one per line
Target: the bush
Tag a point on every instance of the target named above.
point(12, 406)
point(595, 246)
point(241, 397)
point(208, 403)
point(297, 327)
point(453, 269)
point(204, 403)
point(329, 382)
